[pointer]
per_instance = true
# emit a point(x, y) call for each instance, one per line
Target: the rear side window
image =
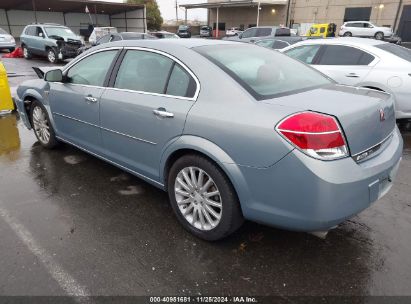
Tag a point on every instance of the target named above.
point(278, 44)
point(31, 31)
point(265, 43)
point(304, 53)
point(261, 32)
point(150, 72)
point(180, 83)
point(344, 55)
point(396, 50)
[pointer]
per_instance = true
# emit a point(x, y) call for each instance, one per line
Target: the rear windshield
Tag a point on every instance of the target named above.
point(396, 50)
point(3, 32)
point(262, 72)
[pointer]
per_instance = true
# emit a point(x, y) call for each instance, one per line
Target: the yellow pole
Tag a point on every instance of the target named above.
point(6, 103)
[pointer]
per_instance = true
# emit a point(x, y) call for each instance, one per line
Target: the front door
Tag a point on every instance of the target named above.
point(75, 103)
point(145, 110)
point(346, 65)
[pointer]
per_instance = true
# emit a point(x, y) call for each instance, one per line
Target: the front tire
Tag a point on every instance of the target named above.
point(52, 56)
point(203, 198)
point(42, 127)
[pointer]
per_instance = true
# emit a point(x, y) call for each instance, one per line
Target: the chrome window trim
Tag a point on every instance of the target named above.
point(106, 129)
point(198, 85)
point(144, 49)
point(112, 162)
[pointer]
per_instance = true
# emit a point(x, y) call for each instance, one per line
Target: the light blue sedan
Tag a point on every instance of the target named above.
point(231, 131)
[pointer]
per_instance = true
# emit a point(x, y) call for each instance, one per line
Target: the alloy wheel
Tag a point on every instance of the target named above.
point(51, 56)
point(41, 125)
point(198, 198)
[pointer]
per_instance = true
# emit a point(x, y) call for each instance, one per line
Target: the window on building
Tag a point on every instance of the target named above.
point(357, 14)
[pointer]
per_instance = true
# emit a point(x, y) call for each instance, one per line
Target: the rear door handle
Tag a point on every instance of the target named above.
point(91, 99)
point(161, 112)
point(352, 75)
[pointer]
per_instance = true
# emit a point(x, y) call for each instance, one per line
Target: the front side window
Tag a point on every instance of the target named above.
point(250, 33)
point(304, 53)
point(344, 55)
point(262, 72)
point(262, 32)
point(265, 43)
point(92, 70)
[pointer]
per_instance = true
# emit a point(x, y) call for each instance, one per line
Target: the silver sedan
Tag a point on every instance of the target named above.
point(367, 63)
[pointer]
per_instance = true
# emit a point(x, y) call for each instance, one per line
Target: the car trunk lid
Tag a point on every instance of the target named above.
point(367, 117)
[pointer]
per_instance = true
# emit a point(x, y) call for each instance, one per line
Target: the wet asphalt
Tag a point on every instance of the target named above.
point(70, 222)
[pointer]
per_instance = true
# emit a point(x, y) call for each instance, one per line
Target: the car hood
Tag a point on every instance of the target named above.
point(367, 117)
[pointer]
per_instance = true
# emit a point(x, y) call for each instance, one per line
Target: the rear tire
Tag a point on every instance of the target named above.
point(41, 125)
point(347, 34)
point(379, 36)
point(26, 53)
point(208, 216)
point(11, 49)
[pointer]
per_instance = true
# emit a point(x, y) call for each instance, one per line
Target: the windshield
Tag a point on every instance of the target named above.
point(59, 31)
point(396, 50)
point(262, 72)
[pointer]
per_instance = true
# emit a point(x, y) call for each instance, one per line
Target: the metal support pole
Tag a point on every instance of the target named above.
point(95, 12)
point(217, 33)
point(8, 22)
point(258, 12)
point(33, 2)
point(186, 16)
point(125, 19)
point(64, 18)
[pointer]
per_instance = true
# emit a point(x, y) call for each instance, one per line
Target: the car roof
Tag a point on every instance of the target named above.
point(345, 40)
point(160, 43)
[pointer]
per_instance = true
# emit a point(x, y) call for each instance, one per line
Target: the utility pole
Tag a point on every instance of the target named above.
point(177, 11)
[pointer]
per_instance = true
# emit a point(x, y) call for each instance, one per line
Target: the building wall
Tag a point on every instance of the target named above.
point(19, 19)
point(235, 17)
point(325, 11)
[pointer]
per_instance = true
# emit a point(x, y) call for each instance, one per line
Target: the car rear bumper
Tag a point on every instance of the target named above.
point(304, 194)
point(8, 45)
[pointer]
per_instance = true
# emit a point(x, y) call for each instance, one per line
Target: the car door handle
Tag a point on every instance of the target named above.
point(161, 112)
point(352, 75)
point(91, 99)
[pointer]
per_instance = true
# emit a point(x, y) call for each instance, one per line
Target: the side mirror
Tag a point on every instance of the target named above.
point(240, 36)
point(41, 35)
point(54, 76)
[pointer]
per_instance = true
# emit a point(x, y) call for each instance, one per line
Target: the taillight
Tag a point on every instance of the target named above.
point(317, 135)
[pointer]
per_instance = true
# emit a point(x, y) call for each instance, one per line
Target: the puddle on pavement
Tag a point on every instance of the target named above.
point(9, 137)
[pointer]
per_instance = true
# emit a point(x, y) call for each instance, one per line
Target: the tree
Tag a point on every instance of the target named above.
point(154, 19)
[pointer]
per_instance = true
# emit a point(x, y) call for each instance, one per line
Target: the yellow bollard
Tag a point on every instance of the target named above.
point(6, 103)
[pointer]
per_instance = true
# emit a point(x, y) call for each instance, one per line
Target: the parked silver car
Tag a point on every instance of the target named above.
point(231, 131)
point(7, 41)
point(361, 62)
point(364, 29)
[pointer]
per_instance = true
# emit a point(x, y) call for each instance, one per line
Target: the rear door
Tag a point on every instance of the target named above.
point(145, 108)
point(345, 64)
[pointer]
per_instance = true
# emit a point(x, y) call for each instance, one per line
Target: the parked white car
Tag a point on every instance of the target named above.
point(364, 29)
point(99, 32)
point(360, 62)
point(234, 31)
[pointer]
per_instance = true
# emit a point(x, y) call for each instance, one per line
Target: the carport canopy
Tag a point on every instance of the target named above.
point(70, 6)
point(233, 4)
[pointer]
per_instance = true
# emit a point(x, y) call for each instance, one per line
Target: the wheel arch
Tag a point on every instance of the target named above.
point(196, 145)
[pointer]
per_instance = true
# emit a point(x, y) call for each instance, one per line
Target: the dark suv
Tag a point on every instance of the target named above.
point(54, 41)
point(184, 31)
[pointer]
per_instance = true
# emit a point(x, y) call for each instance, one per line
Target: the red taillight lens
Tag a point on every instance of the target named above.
point(317, 135)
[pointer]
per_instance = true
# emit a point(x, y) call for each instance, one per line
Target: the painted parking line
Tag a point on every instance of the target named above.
point(57, 272)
